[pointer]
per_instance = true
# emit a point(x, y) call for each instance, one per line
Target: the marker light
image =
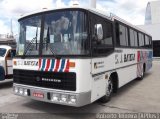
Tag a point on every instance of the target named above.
point(72, 64)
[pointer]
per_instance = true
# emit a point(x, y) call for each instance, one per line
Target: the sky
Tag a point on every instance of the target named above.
point(132, 11)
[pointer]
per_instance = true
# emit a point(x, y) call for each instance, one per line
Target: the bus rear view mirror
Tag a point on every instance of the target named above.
point(99, 31)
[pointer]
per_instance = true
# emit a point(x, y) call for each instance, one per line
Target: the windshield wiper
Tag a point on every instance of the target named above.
point(31, 42)
point(45, 40)
point(29, 45)
point(51, 49)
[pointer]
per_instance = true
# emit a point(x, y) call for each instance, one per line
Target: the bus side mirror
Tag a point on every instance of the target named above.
point(99, 31)
point(98, 34)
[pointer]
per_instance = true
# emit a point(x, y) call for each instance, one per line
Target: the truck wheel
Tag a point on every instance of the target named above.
point(2, 74)
point(109, 91)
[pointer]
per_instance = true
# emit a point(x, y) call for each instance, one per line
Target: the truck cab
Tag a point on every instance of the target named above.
point(6, 55)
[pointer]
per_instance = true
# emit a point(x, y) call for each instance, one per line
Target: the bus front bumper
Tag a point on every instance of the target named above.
point(53, 96)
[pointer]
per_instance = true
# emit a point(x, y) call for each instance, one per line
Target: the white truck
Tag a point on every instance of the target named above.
point(6, 55)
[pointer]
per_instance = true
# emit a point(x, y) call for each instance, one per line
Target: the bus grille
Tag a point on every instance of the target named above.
point(53, 80)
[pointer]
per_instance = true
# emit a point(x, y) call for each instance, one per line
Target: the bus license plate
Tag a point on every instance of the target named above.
point(38, 94)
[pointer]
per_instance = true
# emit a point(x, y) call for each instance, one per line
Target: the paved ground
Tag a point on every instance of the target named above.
point(137, 96)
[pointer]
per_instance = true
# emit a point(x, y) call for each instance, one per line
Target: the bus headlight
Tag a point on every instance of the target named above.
point(21, 91)
point(63, 98)
point(16, 89)
point(72, 99)
point(55, 97)
point(25, 92)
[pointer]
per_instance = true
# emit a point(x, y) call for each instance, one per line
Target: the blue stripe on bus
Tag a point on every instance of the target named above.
point(43, 64)
point(52, 65)
point(62, 65)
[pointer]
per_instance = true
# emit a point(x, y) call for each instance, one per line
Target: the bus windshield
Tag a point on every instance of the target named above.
point(64, 33)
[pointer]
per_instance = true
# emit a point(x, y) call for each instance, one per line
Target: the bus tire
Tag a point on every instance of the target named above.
point(143, 72)
point(2, 73)
point(109, 91)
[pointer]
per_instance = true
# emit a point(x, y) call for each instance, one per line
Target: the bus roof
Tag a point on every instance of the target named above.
point(107, 15)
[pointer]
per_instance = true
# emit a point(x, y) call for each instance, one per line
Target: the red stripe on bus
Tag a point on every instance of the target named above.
point(67, 67)
point(48, 64)
point(57, 66)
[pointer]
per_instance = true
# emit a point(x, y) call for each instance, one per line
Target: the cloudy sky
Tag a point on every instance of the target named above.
point(130, 10)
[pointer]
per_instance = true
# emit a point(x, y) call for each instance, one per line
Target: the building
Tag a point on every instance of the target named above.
point(152, 25)
point(152, 15)
point(6, 39)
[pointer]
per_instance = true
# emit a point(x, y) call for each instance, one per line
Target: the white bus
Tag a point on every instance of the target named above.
point(75, 56)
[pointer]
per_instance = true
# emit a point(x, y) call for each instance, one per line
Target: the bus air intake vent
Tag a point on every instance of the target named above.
point(52, 80)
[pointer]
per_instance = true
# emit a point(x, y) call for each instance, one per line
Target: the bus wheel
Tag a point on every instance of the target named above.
point(109, 91)
point(142, 74)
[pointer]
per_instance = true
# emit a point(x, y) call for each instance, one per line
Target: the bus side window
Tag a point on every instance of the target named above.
point(141, 40)
point(122, 35)
point(102, 36)
point(132, 38)
point(147, 43)
point(135, 38)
